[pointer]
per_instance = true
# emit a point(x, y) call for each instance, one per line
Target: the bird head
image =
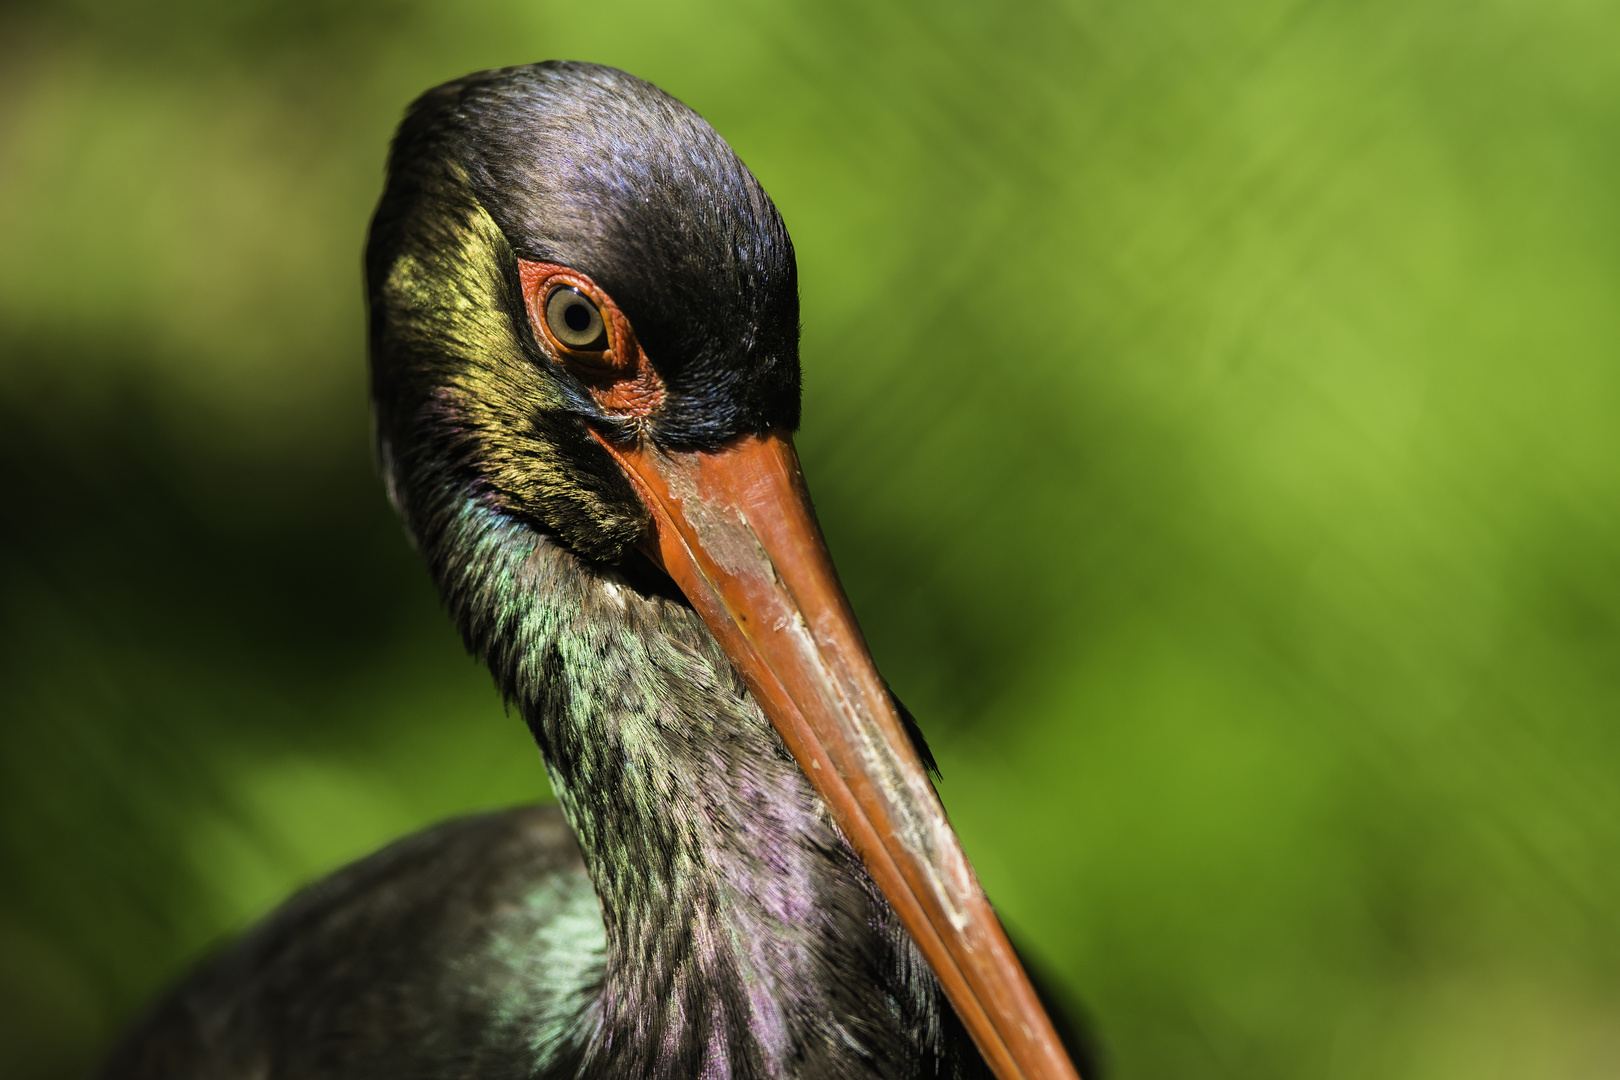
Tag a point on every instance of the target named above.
point(584, 314)
point(564, 249)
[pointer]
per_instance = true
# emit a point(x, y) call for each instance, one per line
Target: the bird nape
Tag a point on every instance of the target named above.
point(584, 358)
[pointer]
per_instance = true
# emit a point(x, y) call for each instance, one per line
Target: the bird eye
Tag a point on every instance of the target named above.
point(575, 321)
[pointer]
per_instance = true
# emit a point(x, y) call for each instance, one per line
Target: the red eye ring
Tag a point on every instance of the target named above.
point(597, 346)
point(547, 286)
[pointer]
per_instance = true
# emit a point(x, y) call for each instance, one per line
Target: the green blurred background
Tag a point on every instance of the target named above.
point(1211, 406)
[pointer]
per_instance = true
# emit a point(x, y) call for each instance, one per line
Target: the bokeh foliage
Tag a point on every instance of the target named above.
point(1212, 408)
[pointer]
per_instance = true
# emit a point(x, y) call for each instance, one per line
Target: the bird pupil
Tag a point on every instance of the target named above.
point(577, 317)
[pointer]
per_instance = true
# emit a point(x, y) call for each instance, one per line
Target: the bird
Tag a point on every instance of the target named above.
point(583, 331)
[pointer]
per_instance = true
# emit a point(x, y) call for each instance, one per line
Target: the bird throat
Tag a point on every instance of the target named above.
point(743, 935)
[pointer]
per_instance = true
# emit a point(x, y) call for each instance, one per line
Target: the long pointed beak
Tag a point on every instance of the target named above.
point(735, 530)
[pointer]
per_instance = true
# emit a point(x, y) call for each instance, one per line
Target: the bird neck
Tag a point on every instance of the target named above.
point(743, 935)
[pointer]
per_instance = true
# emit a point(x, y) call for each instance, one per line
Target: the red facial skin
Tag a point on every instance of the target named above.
point(621, 378)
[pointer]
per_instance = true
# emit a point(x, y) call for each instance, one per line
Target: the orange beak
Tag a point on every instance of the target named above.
point(735, 530)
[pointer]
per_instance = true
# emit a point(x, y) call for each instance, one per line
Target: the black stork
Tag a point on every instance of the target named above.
point(584, 326)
